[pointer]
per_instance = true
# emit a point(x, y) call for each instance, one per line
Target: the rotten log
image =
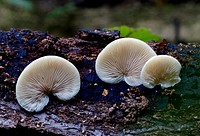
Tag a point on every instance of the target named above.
point(98, 109)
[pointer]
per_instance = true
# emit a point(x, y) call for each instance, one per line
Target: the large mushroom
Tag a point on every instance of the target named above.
point(161, 70)
point(46, 75)
point(122, 60)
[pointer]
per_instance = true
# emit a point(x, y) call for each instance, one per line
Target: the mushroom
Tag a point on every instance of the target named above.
point(161, 70)
point(44, 76)
point(122, 60)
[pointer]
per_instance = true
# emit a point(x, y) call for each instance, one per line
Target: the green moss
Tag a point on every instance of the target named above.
point(175, 111)
point(143, 34)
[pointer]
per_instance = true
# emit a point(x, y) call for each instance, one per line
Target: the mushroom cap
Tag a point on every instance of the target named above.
point(122, 60)
point(161, 70)
point(46, 75)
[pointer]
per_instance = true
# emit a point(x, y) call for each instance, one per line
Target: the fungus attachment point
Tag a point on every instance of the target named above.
point(46, 75)
point(122, 60)
point(161, 70)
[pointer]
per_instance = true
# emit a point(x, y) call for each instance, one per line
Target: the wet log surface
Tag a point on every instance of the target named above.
point(98, 109)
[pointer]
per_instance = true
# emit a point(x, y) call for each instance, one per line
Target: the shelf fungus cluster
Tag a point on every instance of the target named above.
point(122, 60)
point(46, 75)
point(136, 63)
point(125, 59)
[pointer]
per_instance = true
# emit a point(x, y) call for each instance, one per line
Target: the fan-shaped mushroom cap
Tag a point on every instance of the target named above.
point(161, 70)
point(123, 59)
point(46, 75)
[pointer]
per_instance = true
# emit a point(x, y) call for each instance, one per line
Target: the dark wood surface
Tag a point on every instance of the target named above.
point(98, 109)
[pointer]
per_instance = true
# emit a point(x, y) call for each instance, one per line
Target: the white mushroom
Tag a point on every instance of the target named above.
point(122, 60)
point(161, 70)
point(46, 75)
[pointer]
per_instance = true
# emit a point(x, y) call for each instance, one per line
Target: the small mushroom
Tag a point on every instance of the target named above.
point(161, 70)
point(122, 60)
point(46, 75)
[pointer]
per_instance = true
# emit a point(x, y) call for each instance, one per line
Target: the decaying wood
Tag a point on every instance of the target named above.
point(98, 109)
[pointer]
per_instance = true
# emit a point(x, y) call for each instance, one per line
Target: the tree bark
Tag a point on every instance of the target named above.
point(98, 109)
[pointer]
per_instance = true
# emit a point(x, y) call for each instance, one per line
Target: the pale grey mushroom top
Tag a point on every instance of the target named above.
point(161, 70)
point(122, 60)
point(46, 75)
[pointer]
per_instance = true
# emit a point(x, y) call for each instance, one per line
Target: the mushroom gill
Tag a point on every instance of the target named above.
point(161, 70)
point(46, 75)
point(122, 60)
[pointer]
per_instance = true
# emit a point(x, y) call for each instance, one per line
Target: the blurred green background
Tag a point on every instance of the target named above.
point(175, 20)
